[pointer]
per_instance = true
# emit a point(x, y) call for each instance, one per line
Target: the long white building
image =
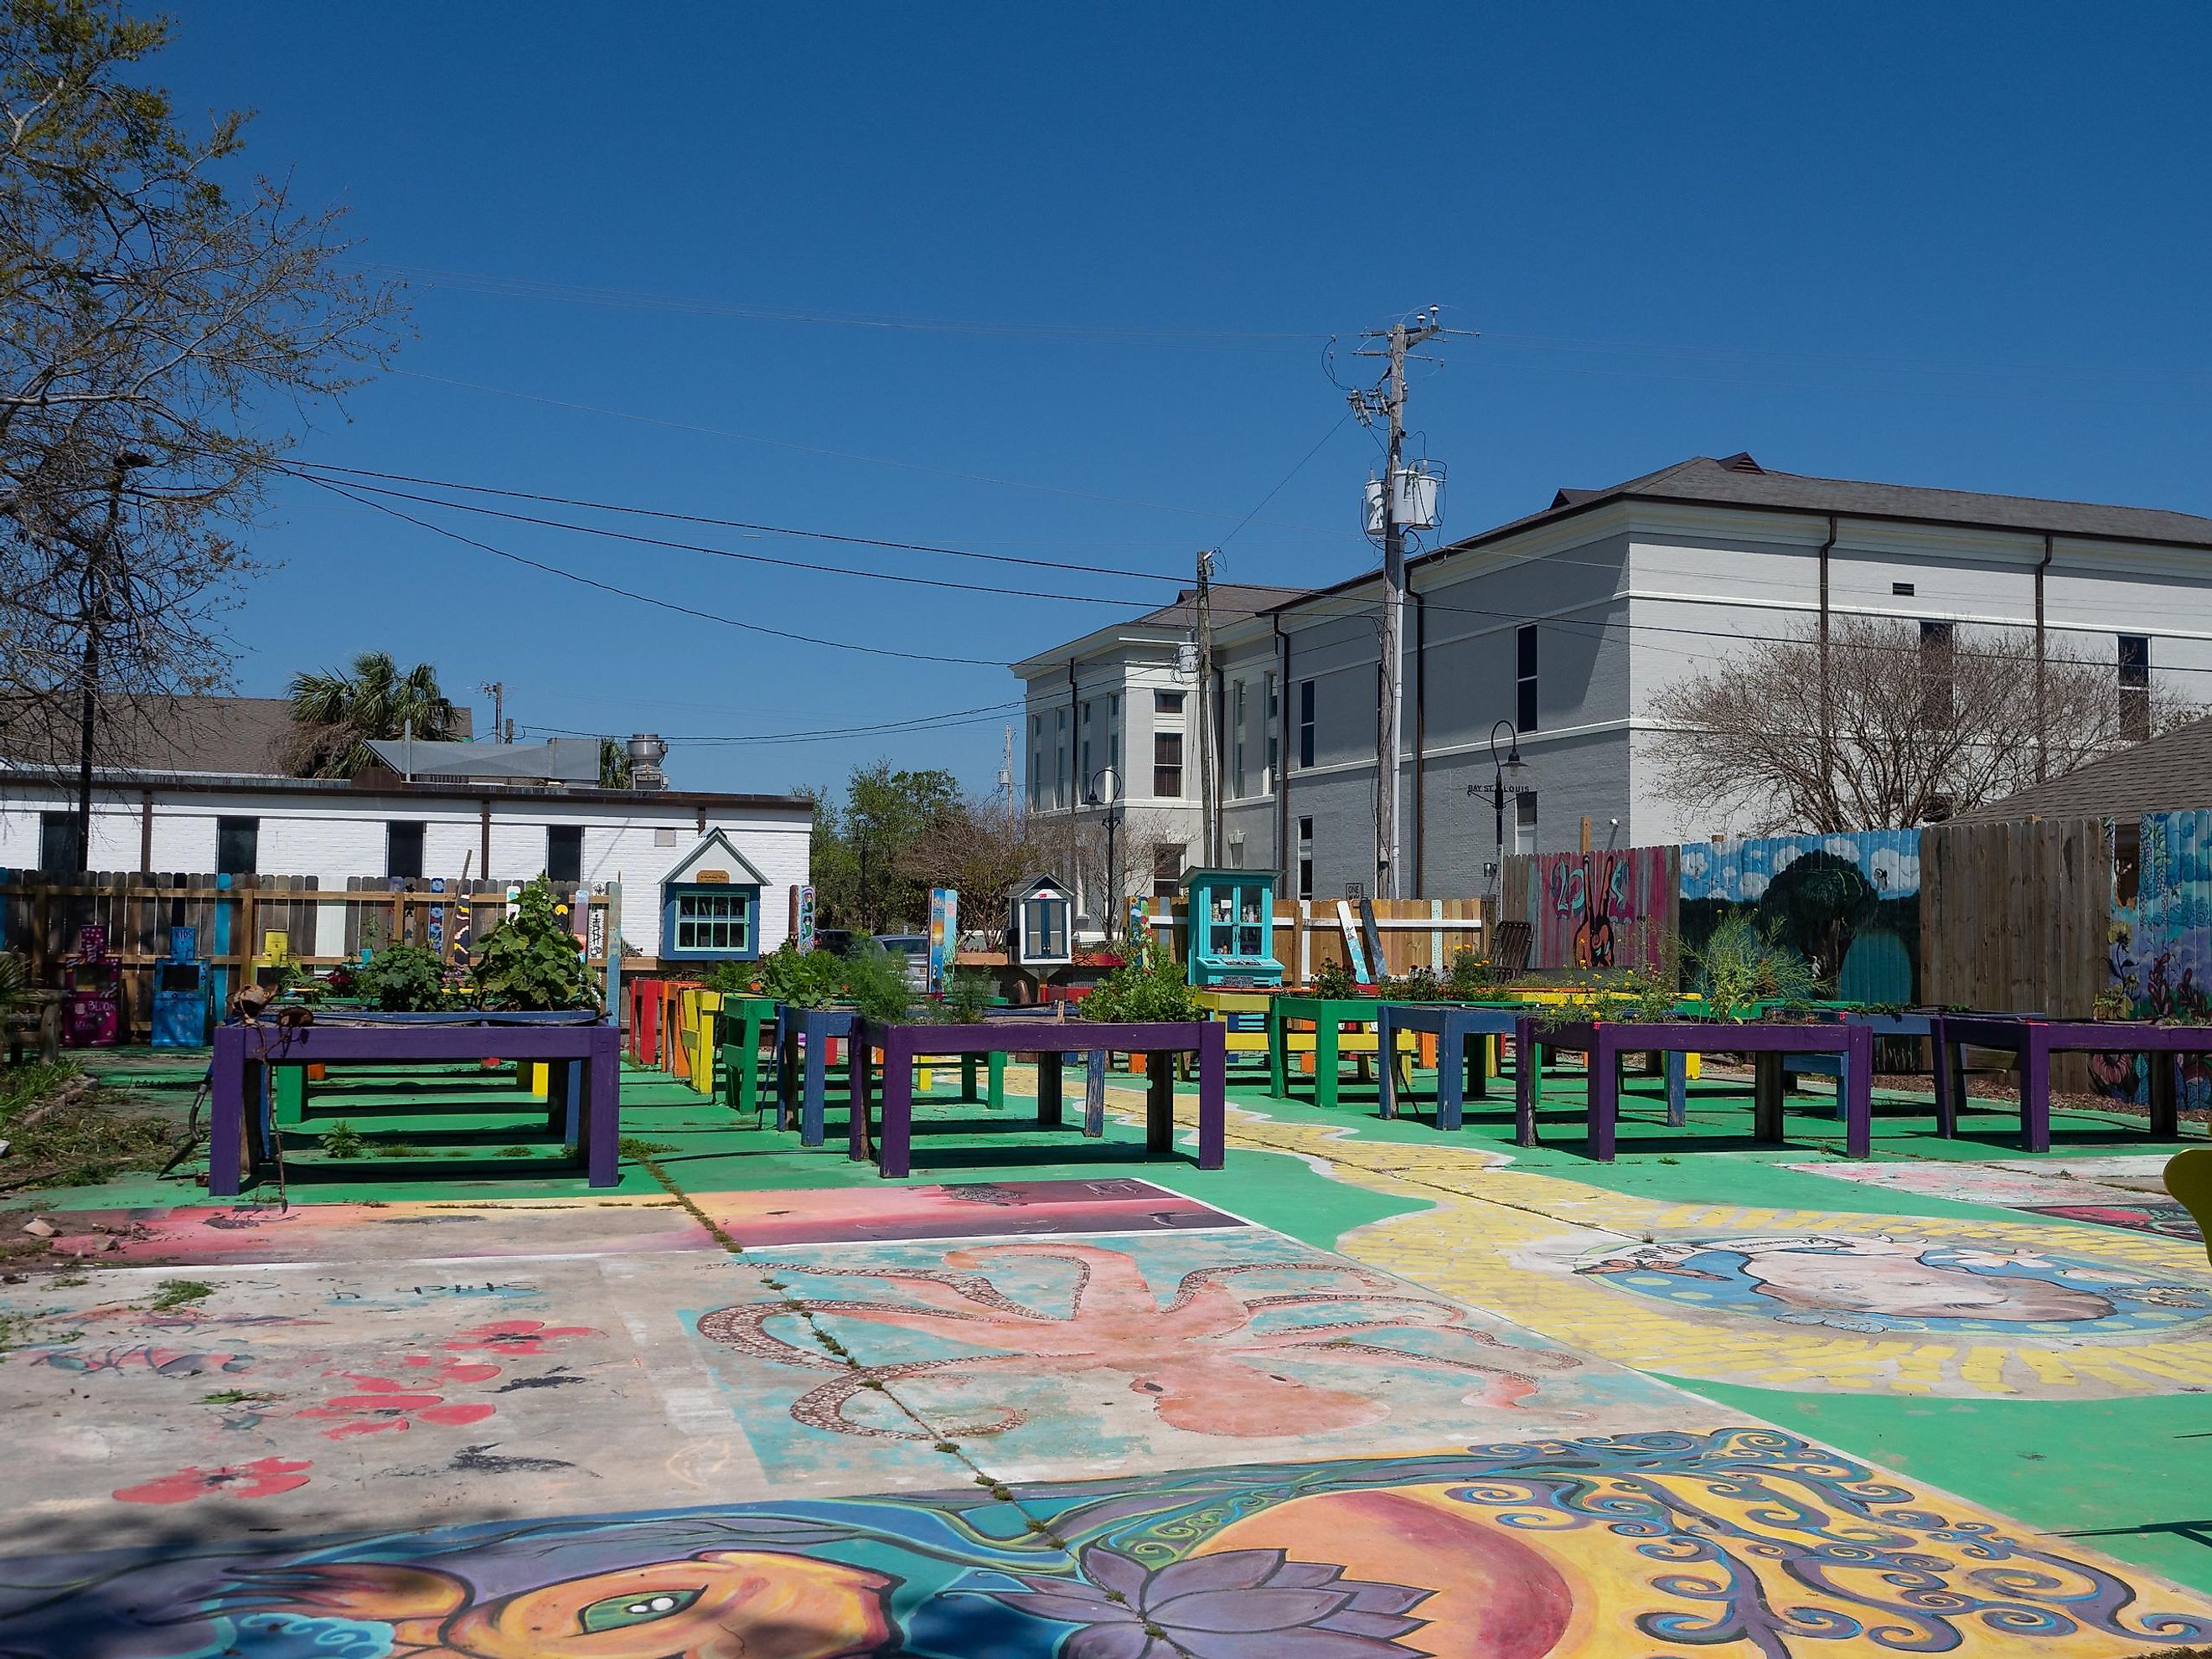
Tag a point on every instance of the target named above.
point(1566, 624)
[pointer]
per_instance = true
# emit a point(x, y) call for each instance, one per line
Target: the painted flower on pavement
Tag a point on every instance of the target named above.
point(517, 1338)
point(385, 1405)
point(264, 1478)
point(422, 1370)
point(1239, 1604)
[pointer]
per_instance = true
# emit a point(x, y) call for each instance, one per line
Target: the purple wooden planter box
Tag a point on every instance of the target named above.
point(2033, 1042)
point(591, 1113)
point(1606, 1040)
point(1050, 1040)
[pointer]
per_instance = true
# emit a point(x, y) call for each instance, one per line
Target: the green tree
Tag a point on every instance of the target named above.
point(170, 322)
point(614, 764)
point(335, 714)
point(863, 855)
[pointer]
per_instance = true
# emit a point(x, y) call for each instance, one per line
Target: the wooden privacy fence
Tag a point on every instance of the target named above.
point(1416, 932)
point(2016, 916)
point(234, 917)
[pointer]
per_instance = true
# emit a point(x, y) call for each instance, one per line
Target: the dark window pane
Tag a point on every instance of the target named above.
point(237, 847)
point(403, 851)
point(564, 851)
point(1305, 722)
point(57, 843)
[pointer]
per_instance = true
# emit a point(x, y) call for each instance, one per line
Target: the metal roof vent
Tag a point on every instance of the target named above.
point(646, 751)
point(1740, 462)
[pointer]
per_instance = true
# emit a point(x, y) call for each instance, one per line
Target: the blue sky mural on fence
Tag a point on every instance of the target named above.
point(1739, 870)
point(1850, 902)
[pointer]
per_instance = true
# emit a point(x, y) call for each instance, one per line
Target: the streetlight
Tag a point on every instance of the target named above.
point(1105, 791)
point(1509, 763)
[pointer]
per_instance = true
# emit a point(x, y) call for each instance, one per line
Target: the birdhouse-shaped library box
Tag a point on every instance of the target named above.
point(1230, 918)
point(1041, 931)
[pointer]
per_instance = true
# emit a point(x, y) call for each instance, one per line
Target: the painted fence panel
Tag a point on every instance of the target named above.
point(1850, 902)
point(1609, 908)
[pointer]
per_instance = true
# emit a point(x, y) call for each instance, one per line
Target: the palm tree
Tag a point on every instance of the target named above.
point(336, 714)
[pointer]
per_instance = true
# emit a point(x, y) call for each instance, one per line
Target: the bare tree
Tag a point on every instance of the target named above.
point(984, 850)
point(169, 324)
point(1908, 724)
point(1075, 848)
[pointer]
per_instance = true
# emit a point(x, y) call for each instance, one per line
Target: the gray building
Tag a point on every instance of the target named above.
point(1566, 623)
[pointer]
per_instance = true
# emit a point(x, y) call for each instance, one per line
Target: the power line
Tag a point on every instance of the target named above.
point(986, 712)
point(724, 552)
point(728, 523)
point(647, 599)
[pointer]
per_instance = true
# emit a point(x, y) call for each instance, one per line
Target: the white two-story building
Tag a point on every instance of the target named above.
point(1564, 625)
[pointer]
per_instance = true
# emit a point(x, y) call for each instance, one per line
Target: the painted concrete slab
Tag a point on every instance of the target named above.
point(980, 1209)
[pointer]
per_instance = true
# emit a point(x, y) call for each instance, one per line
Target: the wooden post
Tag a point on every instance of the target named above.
point(1586, 832)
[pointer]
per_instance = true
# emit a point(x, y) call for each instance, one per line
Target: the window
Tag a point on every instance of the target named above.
point(403, 851)
point(1114, 733)
point(1305, 858)
point(564, 851)
point(1938, 677)
point(1305, 722)
point(1044, 926)
point(712, 921)
point(1236, 739)
point(1167, 703)
point(1167, 872)
point(2135, 687)
point(1060, 757)
point(663, 838)
point(1274, 737)
point(57, 843)
point(1083, 772)
point(1524, 821)
point(1524, 683)
point(237, 847)
point(1167, 765)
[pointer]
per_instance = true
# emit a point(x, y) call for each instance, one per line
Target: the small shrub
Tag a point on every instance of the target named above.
point(1742, 963)
point(875, 982)
point(176, 1292)
point(1334, 981)
point(1472, 976)
point(517, 1151)
point(341, 1140)
point(1422, 985)
point(402, 979)
point(1152, 987)
point(968, 999)
point(803, 979)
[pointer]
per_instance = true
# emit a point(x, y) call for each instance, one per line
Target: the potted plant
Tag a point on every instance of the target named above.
point(531, 960)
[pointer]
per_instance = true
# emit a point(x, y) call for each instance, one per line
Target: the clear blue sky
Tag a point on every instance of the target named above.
point(1947, 245)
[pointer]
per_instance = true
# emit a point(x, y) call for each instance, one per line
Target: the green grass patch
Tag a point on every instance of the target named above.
point(632, 1146)
point(234, 1397)
point(341, 1140)
point(176, 1292)
point(65, 1128)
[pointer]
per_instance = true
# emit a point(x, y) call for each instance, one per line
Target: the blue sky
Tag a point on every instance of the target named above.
point(1095, 255)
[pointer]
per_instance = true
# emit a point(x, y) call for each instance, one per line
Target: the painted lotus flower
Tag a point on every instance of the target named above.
point(1239, 1604)
point(522, 1338)
point(264, 1478)
point(385, 1405)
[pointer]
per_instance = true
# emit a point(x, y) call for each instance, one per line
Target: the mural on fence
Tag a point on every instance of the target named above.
point(1605, 909)
point(2160, 949)
point(1848, 903)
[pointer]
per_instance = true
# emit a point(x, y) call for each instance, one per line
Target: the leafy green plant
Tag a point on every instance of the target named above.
point(234, 1397)
point(1146, 989)
point(1422, 985)
point(175, 1293)
point(638, 1149)
point(805, 978)
point(875, 982)
point(15, 981)
point(532, 960)
point(968, 999)
point(517, 1151)
point(1743, 963)
point(402, 979)
point(1334, 981)
point(341, 1140)
point(1472, 976)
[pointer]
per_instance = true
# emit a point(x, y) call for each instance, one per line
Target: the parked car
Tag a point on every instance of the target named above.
point(914, 947)
point(838, 941)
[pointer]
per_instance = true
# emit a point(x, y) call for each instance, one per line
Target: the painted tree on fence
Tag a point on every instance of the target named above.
point(1894, 723)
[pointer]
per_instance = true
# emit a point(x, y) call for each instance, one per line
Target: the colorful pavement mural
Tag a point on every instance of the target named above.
point(2082, 1189)
point(1728, 1540)
point(966, 1210)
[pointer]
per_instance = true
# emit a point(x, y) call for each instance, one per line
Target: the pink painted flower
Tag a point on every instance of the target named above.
point(385, 1405)
point(264, 1478)
point(422, 1370)
point(520, 1338)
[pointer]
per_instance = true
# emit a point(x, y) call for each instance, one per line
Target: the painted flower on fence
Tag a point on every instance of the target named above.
point(516, 1338)
point(264, 1478)
point(386, 1405)
point(1238, 1604)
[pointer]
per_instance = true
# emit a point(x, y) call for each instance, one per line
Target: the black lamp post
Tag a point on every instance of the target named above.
point(1105, 790)
point(1507, 764)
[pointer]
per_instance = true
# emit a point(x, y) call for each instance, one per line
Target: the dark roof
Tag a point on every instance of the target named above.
point(1738, 481)
point(1231, 601)
point(109, 780)
point(233, 736)
point(2170, 773)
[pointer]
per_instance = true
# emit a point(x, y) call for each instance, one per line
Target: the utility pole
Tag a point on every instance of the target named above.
point(1389, 401)
point(1209, 812)
point(499, 733)
point(1006, 774)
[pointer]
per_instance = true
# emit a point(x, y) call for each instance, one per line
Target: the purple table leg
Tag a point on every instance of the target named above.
point(2165, 1093)
point(1946, 1104)
point(1049, 1104)
point(1524, 1081)
point(899, 1108)
point(603, 1115)
point(227, 1114)
point(1159, 1103)
point(856, 1115)
point(1212, 1094)
point(1604, 1095)
point(1452, 1074)
point(1858, 1092)
point(2034, 1089)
